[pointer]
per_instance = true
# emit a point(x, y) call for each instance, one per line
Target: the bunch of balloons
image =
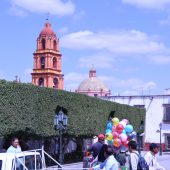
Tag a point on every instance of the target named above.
point(119, 133)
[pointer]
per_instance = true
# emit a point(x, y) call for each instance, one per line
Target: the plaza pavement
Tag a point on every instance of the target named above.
point(163, 160)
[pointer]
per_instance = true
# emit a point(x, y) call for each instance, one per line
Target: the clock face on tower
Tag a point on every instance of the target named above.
point(49, 37)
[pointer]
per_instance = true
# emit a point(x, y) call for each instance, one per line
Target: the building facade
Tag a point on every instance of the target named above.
point(93, 86)
point(157, 122)
point(47, 60)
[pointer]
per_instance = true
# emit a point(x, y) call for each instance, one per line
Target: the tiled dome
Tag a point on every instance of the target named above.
point(92, 84)
point(47, 30)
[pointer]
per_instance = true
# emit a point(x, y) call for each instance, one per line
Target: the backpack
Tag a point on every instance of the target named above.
point(142, 164)
point(120, 158)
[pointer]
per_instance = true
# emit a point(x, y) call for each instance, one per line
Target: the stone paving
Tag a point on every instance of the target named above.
point(163, 160)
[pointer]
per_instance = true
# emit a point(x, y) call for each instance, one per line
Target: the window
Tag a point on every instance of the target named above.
point(54, 45)
point(140, 106)
point(95, 95)
point(43, 44)
point(167, 141)
point(42, 60)
point(54, 62)
point(166, 111)
point(55, 81)
point(41, 82)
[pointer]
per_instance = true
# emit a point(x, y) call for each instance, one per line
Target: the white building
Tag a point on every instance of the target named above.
point(157, 112)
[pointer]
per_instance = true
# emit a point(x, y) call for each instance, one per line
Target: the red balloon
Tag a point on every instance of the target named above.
point(125, 144)
point(119, 127)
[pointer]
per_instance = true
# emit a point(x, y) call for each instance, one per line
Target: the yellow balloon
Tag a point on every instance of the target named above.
point(109, 136)
point(115, 121)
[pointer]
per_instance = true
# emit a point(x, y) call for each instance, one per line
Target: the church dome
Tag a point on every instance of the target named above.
point(47, 30)
point(93, 86)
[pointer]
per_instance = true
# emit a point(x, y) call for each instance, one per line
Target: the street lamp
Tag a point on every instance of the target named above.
point(60, 124)
point(160, 129)
point(140, 131)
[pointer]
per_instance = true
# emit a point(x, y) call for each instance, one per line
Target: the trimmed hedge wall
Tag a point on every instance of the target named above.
point(24, 107)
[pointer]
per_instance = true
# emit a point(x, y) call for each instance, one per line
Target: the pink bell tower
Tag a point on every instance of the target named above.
point(47, 60)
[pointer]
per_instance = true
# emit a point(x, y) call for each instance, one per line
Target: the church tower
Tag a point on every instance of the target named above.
point(47, 60)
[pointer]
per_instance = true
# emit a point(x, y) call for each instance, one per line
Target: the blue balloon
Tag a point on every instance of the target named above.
point(134, 133)
point(109, 125)
point(130, 136)
point(124, 131)
point(129, 128)
point(108, 131)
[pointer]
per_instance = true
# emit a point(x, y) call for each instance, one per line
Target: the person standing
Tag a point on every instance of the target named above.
point(133, 158)
point(110, 163)
point(150, 157)
point(15, 147)
point(96, 147)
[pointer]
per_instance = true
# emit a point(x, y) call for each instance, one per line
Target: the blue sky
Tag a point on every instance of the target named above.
point(128, 41)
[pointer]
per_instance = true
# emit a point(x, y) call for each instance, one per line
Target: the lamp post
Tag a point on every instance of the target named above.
point(60, 124)
point(160, 129)
point(140, 130)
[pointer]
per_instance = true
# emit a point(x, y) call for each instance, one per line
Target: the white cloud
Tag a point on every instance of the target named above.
point(134, 86)
point(117, 42)
point(73, 79)
point(153, 4)
point(145, 86)
point(160, 59)
point(99, 60)
point(17, 11)
point(54, 7)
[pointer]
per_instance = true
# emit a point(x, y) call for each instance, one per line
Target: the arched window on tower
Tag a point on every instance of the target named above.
point(54, 45)
point(42, 60)
point(43, 44)
point(55, 81)
point(54, 62)
point(41, 82)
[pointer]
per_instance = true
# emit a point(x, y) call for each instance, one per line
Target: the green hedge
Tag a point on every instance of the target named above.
point(24, 107)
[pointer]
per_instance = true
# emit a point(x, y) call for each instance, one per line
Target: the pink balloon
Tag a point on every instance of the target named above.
point(126, 121)
point(113, 128)
point(115, 135)
point(123, 137)
point(122, 123)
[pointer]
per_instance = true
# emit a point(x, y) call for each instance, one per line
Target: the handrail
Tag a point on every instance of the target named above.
point(53, 159)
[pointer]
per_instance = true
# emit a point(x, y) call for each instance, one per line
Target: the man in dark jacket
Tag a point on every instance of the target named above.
point(96, 147)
